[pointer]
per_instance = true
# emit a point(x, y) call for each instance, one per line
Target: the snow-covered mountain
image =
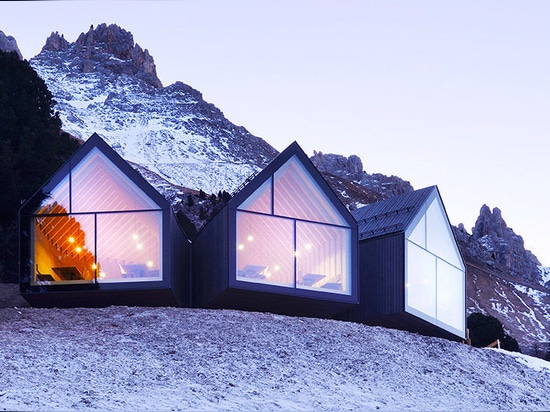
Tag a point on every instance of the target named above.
point(105, 83)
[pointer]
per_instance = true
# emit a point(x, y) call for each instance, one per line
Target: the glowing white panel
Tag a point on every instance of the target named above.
point(323, 258)
point(450, 295)
point(297, 195)
point(265, 249)
point(99, 186)
point(421, 280)
point(57, 201)
point(260, 200)
point(418, 234)
point(440, 239)
point(129, 246)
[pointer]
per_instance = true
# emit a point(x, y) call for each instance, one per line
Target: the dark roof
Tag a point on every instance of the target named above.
point(392, 215)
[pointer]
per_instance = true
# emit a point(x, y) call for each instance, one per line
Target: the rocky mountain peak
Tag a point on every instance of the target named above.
point(108, 49)
point(9, 44)
point(56, 42)
point(338, 164)
point(489, 223)
point(355, 186)
point(110, 39)
point(497, 245)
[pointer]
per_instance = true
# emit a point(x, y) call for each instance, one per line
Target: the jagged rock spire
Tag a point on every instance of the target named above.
point(93, 52)
point(9, 44)
point(503, 246)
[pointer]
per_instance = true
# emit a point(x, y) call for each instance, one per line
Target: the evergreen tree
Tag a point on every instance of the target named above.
point(188, 227)
point(190, 200)
point(202, 195)
point(202, 214)
point(32, 147)
point(226, 197)
point(484, 330)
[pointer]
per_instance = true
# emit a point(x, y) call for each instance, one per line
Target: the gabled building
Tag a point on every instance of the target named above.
point(285, 244)
point(99, 234)
point(411, 272)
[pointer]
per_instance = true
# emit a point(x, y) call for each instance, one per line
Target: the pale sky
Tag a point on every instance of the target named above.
point(453, 93)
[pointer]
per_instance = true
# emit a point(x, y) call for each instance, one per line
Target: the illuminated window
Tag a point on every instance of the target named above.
point(265, 249)
point(322, 257)
point(97, 185)
point(84, 230)
point(129, 246)
point(64, 248)
point(290, 234)
point(260, 200)
point(297, 195)
point(435, 271)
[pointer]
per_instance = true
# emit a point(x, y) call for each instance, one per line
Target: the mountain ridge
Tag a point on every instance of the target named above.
point(104, 82)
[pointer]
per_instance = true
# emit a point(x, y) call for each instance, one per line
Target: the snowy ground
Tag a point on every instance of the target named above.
point(125, 358)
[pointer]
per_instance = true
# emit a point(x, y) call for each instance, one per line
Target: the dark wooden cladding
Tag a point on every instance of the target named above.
point(381, 278)
point(210, 260)
point(180, 263)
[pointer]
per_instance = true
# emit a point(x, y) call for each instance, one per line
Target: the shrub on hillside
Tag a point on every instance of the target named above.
point(484, 330)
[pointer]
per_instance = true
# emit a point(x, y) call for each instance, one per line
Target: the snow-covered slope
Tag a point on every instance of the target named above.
point(170, 130)
point(523, 308)
point(121, 358)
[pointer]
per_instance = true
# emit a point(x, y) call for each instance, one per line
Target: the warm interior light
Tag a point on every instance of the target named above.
point(308, 246)
point(94, 266)
point(135, 236)
point(71, 239)
point(276, 267)
point(78, 249)
point(102, 275)
point(139, 246)
point(150, 264)
point(240, 247)
point(250, 238)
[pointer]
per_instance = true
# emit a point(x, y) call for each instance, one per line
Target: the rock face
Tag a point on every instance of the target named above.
point(494, 244)
point(108, 48)
point(355, 186)
point(9, 44)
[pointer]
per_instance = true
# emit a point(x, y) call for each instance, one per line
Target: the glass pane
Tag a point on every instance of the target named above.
point(57, 201)
point(129, 246)
point(260, 200)
point(99, 186)
point(450, 295)
point(421, 280)
point(63, 249)
point(418, 235)
point(297, 195)
point(323, 257)
point(265, 249)
point(440, 239)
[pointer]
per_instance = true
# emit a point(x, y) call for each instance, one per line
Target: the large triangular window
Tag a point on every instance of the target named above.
point(435, 275)
point(96, 225)
point(290, 234)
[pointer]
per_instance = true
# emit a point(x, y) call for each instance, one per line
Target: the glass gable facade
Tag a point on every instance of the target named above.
point(289, 234)
point(435, 272)
point(96, 225)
